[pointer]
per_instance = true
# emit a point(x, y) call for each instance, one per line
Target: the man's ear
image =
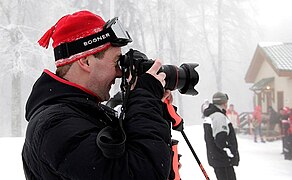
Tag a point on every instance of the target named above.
point(84, 64)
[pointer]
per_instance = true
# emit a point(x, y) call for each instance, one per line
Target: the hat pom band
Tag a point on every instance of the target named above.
point(45, 39)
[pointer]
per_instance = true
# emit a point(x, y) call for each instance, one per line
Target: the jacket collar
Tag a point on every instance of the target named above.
point(51, 89)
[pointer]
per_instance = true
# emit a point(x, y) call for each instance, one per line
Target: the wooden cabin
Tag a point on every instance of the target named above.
point(270, 73)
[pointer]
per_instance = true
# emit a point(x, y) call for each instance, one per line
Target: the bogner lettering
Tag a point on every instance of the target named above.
point(96, 39)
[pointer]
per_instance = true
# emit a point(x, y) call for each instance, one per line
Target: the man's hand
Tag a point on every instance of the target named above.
point(153, 71)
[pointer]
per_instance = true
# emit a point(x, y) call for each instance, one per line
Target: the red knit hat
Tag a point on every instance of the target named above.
point(72, 27)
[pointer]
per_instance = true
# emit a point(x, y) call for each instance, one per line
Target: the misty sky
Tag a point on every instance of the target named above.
point(274, 19)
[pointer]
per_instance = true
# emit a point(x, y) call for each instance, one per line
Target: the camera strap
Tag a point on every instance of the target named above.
point(125, 85)
point(111, 139)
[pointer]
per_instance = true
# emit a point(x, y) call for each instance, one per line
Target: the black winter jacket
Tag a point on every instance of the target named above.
point(65, 120)
point(219, 134)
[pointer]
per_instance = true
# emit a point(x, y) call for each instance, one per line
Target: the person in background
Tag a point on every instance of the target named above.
point(285, 125)
point(233, 117)
point(257, 123)
point(285, 115)
point(204, 106)
point(220, 138)
point(288, 139)
point(274, 118)
point(70, 134)
point(290, 120)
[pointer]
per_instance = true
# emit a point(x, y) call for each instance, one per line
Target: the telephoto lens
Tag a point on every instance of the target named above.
point(183, 78)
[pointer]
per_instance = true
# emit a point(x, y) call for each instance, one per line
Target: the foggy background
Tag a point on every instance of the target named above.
point(220, 35)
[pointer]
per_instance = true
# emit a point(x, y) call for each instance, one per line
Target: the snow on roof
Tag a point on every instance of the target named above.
point(280, 54)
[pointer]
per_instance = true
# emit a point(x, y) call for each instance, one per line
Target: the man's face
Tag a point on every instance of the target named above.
point(103, 72)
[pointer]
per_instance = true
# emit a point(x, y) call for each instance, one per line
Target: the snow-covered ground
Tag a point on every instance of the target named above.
point(258, 160)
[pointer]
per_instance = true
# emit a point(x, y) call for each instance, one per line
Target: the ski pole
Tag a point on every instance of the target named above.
point(177, 124)
point(195, 155)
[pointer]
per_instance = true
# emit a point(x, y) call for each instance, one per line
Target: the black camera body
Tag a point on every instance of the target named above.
point(183, 78)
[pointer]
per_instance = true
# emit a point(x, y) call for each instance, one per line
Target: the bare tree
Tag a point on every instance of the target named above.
point(13, 46)
point(22, 56)
point(225, 30)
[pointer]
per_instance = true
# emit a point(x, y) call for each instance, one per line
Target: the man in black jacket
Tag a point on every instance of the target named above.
point(221, 142)
point(70, 134)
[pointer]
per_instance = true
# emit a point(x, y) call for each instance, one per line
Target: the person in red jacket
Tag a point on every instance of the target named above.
point(290, 119)
point(257, 122)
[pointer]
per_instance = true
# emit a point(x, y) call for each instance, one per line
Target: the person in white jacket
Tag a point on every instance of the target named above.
point(220, 137)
